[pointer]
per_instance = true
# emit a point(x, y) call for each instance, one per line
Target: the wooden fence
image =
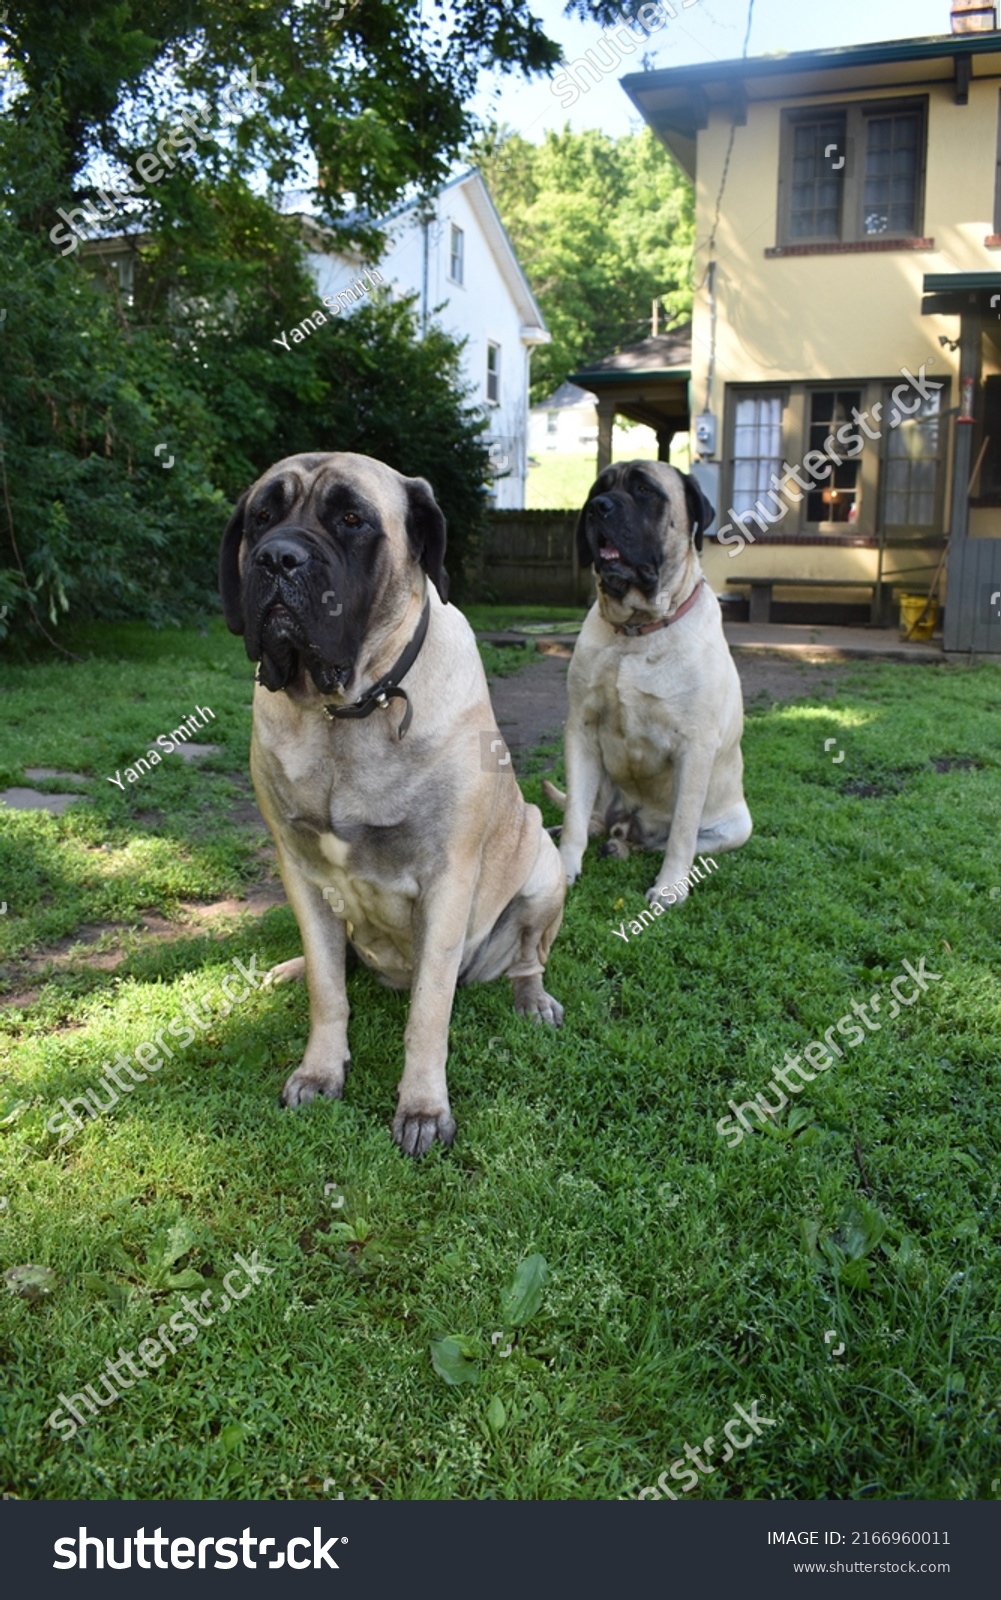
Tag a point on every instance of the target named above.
point(530, 558)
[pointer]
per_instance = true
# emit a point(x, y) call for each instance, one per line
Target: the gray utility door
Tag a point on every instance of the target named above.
point(973, 599)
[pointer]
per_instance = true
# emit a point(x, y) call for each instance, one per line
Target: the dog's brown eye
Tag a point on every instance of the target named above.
point(351, 519)
point(261, 517)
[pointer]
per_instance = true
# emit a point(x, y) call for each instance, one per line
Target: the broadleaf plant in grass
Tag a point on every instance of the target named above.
point(523, 1297)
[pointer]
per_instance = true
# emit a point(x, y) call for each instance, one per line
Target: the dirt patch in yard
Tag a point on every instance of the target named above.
point(767, 679)
point(531, 705)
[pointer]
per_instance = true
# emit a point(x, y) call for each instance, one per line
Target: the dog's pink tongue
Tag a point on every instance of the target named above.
point(608, 552)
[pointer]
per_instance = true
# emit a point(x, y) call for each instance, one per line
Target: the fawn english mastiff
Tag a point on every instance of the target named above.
point(399, 830)
point(656, 714)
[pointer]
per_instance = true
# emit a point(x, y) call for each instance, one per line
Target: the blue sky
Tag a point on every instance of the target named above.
point(709, 30)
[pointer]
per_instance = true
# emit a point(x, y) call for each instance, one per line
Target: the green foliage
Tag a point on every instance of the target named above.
point(92, 521)
point(95, 523)
point(602, 227)
point(378, 97)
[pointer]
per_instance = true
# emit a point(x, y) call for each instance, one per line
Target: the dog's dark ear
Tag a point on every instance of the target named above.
point(700, 512)
point(585, 555)
point(230, 583)
point(426, 532)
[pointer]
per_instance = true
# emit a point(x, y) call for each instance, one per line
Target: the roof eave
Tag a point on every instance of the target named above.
point(593, 380)
point(936, 46)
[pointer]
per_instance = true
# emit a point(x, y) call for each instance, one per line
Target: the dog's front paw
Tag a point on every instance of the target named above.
point(572, 861)
point(415, 1130)
point(667, 894)
point(531, 1000)
point(307, 1082)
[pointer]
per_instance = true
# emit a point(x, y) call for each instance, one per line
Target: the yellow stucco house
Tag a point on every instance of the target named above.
point(843, 377)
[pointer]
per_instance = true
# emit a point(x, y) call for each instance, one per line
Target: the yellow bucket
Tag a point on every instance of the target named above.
point(918, 616)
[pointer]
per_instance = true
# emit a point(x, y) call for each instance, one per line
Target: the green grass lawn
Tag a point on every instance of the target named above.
point(401, 1347)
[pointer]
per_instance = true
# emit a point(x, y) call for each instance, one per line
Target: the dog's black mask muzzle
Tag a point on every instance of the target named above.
point(295, 613)
point(625, 557)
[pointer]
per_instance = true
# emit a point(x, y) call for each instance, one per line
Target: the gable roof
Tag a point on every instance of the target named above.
point(533, 325)
point(664, 355)
point(565, 397)
point(676, 101)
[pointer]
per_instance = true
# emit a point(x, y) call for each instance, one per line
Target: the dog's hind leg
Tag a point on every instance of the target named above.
point(728, 833)
point(286, 972)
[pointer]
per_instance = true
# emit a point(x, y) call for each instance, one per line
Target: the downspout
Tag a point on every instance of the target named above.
point(711, 373)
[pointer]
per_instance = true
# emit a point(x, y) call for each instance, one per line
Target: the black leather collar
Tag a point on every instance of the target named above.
point(388, 687)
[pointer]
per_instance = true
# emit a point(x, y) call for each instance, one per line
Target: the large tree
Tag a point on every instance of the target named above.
point(602, 227)
point(361, 102)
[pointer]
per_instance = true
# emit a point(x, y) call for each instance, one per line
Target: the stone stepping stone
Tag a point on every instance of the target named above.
point(54, 772)
point(192, 752)
point(34, 800)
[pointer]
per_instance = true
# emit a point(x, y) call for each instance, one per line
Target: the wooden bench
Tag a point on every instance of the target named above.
point(760, 609)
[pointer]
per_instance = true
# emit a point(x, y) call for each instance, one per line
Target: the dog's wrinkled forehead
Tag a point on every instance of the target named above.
point(647, 482)
point(307, 485)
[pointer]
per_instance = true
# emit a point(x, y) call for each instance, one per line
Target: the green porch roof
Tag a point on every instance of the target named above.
point(944, 282)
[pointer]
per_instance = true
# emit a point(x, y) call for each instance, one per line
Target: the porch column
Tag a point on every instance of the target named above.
point(606, 420)
point(962, 454)
point(664, 437)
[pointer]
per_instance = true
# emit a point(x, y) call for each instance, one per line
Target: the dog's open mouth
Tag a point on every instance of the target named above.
point(618, 573)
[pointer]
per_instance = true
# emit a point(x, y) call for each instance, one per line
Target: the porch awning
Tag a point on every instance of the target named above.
point(952, 293)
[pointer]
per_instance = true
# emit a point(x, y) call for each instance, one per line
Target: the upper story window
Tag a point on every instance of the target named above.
point(455, 254)
point(493, 372)
point(849, 173)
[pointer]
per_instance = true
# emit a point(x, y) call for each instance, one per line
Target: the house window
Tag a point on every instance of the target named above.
point(552, 421)
point(852, 172)
point(107, 270)
point(855, 459)
point(455, 254)
point(892, 172)
point(912, 474)
point(815, 208)
point(493, 373)
point(836, 498)
point(757, 448)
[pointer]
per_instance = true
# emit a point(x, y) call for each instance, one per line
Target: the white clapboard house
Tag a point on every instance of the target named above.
point(454, 254)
